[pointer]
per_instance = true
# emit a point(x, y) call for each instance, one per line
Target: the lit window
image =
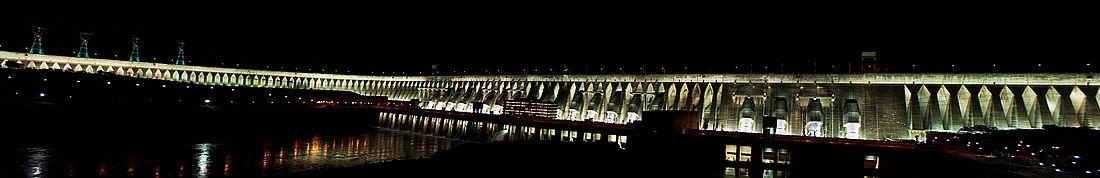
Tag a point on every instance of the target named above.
point(768, 156)
point(746, 153)
point(738, 153)
point(732, 172)
point(870, 162)
point(784, 156)
point(775, 174)
point(731, 153)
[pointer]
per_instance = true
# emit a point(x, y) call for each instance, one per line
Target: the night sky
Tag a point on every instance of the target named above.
point(377, 36)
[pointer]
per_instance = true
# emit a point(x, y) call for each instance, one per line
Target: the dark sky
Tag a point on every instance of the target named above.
point(464, 35)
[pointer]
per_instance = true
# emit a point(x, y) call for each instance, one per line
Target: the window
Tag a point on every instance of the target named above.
point(746, 153)
point(775, 174)
point(738, 153)
point(768, 155)
point(784, 156)
point(870, 162)
point(731, 153)
point(732, 172)
point(779, 156)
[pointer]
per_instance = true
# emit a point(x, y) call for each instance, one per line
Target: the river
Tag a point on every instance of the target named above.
point(275, 154)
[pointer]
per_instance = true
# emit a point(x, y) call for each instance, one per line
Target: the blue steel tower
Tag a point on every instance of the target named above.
point(36, 46)
point(134, 57)
point(83, 52)
point(179, 58)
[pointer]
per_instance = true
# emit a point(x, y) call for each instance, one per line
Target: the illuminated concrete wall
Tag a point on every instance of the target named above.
point(877, 106)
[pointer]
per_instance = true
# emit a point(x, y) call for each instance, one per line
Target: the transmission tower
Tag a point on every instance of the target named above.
point(179, 58)
point(83, 52)
point(37, 44)
point(134, 49)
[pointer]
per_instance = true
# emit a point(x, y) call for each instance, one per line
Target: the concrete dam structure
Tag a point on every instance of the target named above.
point(876, 106)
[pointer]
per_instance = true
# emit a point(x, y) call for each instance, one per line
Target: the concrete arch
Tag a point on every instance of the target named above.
point(696, 98)
point(1077, 100)
point(922, 119)
point(671, 96)
point(943, 100)
point(985, 102)
point(216, 78)
point(202, 78)
point(1008, 104)
point(708, 111)
point(683, 103)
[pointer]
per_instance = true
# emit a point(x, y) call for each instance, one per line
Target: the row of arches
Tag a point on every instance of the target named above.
point(951, 107)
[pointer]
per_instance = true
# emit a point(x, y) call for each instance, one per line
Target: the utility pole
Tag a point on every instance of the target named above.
point(179, 58)
point(134, 56)
point(37, 44)
point(83, 51)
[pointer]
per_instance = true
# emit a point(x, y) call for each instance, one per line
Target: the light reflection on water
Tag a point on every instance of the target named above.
point(37, 159)
point(202, 159)
point(253, 158)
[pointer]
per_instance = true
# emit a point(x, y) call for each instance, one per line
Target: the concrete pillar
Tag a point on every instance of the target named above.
point(985, 101)
point(201, 78)
point(606, 90)
point(726, 108)
point(1077, 98)
point(584, 95)
point(943, 99)
point(964, 106)
point(695, 103)
point(217, 79)
point(536, 91)
point(1008, 107)
point(707, 110)
point(670, 102)
point(684, 101)
point(921, 120)
point(1030, 108)
point(624, 104)
point(1054, 106)
point(908, 106)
